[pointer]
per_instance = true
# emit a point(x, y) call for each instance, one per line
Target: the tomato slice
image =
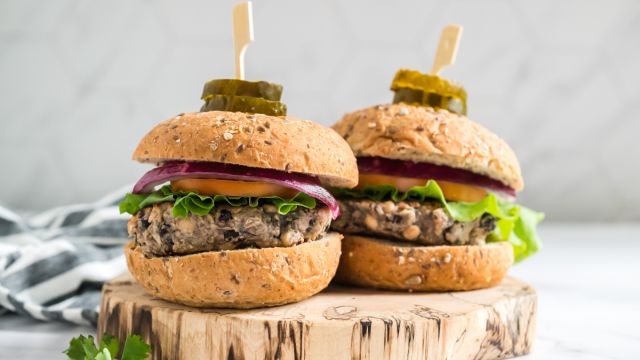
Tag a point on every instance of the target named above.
point(232, 188)
point(452, 191)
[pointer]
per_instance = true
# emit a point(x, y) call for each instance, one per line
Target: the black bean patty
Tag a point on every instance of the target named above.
point(159, 233)
point(425, 223)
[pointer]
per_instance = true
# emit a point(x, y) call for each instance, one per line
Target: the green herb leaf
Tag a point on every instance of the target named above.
point(516, 223)
point(109, 343)
point(135, 349)
point(84, 348)
point(89, 347)
point(196, 204)
point(81, 348)
point(104, 355)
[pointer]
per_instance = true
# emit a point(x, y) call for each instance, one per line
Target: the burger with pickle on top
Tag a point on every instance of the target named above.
point(235, 214)
point(435, 207)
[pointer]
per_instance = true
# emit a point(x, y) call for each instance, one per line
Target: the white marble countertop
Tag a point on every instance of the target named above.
point(587, 276)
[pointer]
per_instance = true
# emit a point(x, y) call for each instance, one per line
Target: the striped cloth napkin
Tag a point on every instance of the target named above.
point(53, 264)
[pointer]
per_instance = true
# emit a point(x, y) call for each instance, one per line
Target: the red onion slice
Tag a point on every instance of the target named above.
point(211, 170)
point(378, 165)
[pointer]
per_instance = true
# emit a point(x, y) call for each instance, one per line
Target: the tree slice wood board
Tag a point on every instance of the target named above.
point(339, 323)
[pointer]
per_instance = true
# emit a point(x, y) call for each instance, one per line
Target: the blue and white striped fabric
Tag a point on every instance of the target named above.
point(53, 264)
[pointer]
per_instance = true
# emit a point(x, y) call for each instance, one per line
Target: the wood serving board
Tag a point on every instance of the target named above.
point(339, 323)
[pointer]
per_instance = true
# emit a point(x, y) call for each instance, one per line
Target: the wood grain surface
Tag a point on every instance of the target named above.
point(339, 323)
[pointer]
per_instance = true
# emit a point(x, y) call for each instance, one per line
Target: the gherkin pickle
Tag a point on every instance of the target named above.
point(436, 101)
point(235, 87)
point(246, 104)
point(414, 87)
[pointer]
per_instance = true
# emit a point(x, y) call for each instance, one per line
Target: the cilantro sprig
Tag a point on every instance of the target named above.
point(84, 348)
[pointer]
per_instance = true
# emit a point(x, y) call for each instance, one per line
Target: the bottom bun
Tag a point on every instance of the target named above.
point(242, 279)
point(390, 265)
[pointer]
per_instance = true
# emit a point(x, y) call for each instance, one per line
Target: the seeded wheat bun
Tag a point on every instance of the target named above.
point(240, 279)
point(255, 140)
point(389, 265)
point(422, 134)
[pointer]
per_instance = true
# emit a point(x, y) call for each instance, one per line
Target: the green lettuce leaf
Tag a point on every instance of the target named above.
point(196, 204)
point(516, 223)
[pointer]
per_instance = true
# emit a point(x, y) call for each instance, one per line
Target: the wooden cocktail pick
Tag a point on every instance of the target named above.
point(242, 34)
point(447, 48)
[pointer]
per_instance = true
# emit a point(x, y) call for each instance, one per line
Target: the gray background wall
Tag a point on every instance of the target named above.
point(82, 81)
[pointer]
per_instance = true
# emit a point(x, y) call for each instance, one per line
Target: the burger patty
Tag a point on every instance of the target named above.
point(425, 223)
point(159, 233)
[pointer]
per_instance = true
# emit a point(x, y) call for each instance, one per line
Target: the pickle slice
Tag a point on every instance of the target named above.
point(436, 101)
point(235, 87)
point(415, 87)
point(246, 104)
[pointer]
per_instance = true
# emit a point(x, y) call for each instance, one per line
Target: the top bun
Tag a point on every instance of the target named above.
point(255, 140)
point(422, 134)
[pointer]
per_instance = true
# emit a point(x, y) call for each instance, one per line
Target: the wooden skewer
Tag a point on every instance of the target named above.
point(242, 34)
point(447, 48)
